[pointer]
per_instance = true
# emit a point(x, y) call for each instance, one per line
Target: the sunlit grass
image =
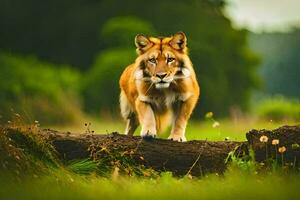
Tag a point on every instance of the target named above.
point(229, 129)
point(99, 126)
point(233, 185)
point(196, 130)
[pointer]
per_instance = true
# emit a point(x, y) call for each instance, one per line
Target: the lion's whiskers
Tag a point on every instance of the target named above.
point(174, 82)
point(149, 88)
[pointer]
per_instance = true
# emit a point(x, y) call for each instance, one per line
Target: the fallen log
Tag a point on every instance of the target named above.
point(196, 157)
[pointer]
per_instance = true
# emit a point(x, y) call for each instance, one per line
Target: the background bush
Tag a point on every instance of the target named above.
point(278, 108)
point(38, 90)
point(100, 88)
point(121, 31)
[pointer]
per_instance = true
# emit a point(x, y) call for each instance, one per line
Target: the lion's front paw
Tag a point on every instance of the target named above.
point(178, 138)
point(148, 135)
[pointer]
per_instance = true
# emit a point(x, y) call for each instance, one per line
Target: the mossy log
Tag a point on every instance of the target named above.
point(196, 157)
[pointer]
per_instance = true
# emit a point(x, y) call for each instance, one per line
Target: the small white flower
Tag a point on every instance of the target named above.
point(216, 124)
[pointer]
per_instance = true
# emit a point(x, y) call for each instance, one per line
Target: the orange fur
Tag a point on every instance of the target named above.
point(160, 87)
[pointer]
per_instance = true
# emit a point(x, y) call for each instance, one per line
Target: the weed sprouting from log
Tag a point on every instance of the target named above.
point(240, 160)
point(281, 150)
point(108, 159)
point(191, 168)
point(275, 142)
point(82, 167)
point(294, 147)
point(264, 139)
point(88, 128)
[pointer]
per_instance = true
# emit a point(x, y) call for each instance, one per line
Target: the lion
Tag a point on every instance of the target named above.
point(160, 88)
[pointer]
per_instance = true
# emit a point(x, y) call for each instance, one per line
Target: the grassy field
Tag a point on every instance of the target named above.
point(196, 130)
point(64, 182)
point(233, 185)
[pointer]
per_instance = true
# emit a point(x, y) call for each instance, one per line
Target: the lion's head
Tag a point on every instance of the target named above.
point(162, 60)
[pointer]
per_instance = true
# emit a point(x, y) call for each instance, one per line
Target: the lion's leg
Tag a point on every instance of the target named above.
point(131, 125)
point(128, 114)
point(182, 115)
point(146, 119)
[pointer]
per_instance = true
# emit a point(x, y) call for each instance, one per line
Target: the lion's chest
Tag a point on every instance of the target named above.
point(164, 100)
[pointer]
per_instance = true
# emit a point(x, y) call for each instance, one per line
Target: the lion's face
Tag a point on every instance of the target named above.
point(161, 67)
point(160, 59)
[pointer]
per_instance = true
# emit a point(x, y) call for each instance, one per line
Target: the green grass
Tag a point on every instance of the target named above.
point(196, 130)
point(233, 185)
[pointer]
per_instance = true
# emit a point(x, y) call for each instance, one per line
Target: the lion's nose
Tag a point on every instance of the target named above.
point(161, 75)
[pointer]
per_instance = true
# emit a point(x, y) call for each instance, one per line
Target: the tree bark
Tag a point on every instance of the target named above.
point(196, 157)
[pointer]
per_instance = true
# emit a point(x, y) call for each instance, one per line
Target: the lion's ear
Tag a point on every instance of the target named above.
point(178, 41)
point(142, 43)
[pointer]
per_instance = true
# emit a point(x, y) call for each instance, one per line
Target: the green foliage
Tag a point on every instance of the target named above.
point(244, 163)
point(120, 31)
point(117, 162)
point(100, 87)
point(37, 90)
point(278, 108)
point(83, 167)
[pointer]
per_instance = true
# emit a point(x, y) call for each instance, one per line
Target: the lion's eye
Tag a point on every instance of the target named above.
point(170, 60)
point(152, 60)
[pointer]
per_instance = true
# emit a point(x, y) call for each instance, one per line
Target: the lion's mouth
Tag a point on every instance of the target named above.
point(162, 81)
point(162, 84)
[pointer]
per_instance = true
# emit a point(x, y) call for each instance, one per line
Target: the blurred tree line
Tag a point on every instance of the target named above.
point(280, 66)
point(96, 37)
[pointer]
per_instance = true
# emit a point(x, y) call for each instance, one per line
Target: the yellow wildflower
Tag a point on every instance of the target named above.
point(263, 139)
point(209, 115)
point(275, 142)
point(281, 149)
